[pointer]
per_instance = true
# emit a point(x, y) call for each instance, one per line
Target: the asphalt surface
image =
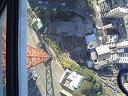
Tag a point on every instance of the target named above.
point(57, 70)
point(39, 86)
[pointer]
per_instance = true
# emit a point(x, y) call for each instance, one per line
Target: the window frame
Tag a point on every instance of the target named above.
point(16, 46)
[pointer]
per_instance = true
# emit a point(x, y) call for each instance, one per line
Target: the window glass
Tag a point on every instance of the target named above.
point(3, 52)
point(80, 48)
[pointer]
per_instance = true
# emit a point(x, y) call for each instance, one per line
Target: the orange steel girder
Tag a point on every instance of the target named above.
point(4, 51)
point(35, 56)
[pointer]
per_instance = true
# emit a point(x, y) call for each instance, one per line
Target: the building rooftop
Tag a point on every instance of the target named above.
point(71, 80)
point(90, 38)
point(93, 54)
point(75, 79)
point(102, 49)
point(39, 24)
point(65, 93)
point(119, 11)
point(121, 44)
point(123, 60)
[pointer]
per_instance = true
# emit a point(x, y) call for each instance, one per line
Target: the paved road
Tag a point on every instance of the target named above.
point(39, 87)
point(57, 71)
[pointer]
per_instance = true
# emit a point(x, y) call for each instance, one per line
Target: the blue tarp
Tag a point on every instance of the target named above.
point(90, 38)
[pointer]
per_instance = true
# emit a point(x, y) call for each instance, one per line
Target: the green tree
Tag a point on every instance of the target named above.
point(92, 83)
point(99, 94)
point(78, 93)
point(86, 86)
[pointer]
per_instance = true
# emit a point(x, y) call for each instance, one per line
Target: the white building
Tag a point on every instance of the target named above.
point(103, 49)
point(37, 24)
point(103, 52)
point(108, 26)
point(93, 54)
point(123, 60)
point(117, 12)
point(71, 80)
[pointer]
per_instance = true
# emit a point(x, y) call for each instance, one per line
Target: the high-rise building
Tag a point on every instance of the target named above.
point(104, 7)
point(117, 12)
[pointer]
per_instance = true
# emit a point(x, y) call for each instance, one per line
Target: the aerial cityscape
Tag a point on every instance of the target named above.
point(76, 47)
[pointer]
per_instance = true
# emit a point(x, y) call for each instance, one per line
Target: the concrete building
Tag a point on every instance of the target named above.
point(93, 54)
point(117, 12)
point(123, 44)
point(103, 52)
point(71, 80)
point(107, 5)
point(91, 41)
point(104, 7)
point(37, 24)
point(125, 19)
point(108, 26)
point(120, 14)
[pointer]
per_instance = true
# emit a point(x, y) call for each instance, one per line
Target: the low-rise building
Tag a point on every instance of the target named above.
point(37, 24)
point(103, 52)
point(103, 56)
point(65, 93)
point(71, 80)
point(93, 54)
point(91, 41)
point(123, 44)
point(117, 12)
point(104, 7)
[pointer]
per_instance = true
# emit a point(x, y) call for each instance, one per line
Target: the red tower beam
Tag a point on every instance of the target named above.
point(34, 56)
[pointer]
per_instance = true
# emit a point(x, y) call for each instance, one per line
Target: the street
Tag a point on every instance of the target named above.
point(38, 88)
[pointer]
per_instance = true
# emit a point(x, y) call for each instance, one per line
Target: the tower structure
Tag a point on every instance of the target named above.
point(34, 56)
